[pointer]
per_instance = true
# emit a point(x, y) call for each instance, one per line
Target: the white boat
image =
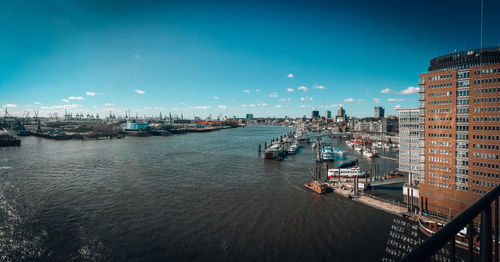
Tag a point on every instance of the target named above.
point(327, 153)
point(292, 149)
point(272, 152)
point(338, 151)
point(313, 145)
point(358, 148)
point(368, 153)
point(349, 143)
point(346, 172)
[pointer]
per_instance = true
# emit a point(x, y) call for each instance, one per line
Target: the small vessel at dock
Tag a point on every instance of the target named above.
point(346, 172)
point(7, 139)
point(368, 153)
point(429, 228)
point(358, 148)
point(272, 152)
point(347, 163)
point(338, 151)
point(327, 153)
point(292, 149)
point(317, 187)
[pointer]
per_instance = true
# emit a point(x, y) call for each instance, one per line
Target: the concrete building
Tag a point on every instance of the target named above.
point(409, 145)
point(379, 112)
point(460, 111)
point(249, 117)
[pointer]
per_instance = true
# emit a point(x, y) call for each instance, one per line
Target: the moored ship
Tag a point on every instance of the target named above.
point(346, 172)
point(6, 139)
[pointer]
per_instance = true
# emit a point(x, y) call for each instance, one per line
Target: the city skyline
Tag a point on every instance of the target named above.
point(279, 59)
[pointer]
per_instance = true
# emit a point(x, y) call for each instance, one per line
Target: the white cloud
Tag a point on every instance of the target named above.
point(257, 90)
point(376, 100)
point(62, 107)
point(139, 91)
point(290, 89)
point(385, 91)
point(159, 108)
point(285, 99)
point(252, 105)
point(303, 106)
point(246, 91)
point(109, 104)
point(397, 107)
point(410, 90)
point(175, 108)
point(243, 105)
point(319, 87)
point(9, 105)
point(90, 93)
point(137, 56)
point(216, 97)
point(303, 88)
point(222, 107)
point(199, 107)
point(278, 106)
point(290, 75)
point(351, 100)
point(65, 100)
point(273, 94)
point(263, 104)
point(306, 99)
point(395, 99)
point(76, 98)
point(37, 103)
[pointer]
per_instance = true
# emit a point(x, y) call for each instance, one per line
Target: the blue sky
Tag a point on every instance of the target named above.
point(230, 58)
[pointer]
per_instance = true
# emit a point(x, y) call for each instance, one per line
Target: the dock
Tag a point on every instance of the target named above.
point(389, 158)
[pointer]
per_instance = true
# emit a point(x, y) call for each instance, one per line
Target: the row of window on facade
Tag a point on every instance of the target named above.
point(443, 102)
point(485, 155)
point(486, 71)
point(485, 137)
point(484, 165)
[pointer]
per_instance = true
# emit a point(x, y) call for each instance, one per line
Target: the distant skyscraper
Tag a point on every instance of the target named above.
point(379, 112)
point(315, 114)
point(328, 114)
point(250, 116)
point(341, 112)
point(460, 111)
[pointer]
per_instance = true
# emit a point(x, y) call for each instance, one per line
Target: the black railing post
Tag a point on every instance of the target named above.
point(486, 240)
point(452, 249)
point(470, 234)
point(496, 229)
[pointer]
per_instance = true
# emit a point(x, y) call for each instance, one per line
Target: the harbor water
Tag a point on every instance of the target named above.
point(193, 197)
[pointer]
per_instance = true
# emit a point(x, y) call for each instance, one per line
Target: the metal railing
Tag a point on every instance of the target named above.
point(429, 247)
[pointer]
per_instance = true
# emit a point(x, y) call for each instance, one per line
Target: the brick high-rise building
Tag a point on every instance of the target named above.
point(460, 113)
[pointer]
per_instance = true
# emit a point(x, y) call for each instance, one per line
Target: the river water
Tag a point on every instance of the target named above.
point(201, 197)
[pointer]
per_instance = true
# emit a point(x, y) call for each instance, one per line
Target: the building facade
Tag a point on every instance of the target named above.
point(409, 145)
point(315, 114)
point(460, 112)
point(379, 112)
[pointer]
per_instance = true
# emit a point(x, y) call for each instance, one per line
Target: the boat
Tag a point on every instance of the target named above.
point(313, 145)
point(393, 174)
point(350, 172)
point(327, 153)
point(368, 153)
point(349, 143)
point(338, 151)
point(292, 149)
point(358, 148)
point(7, 139)
point(347, 163)
point(272, 152)
point(429, 228)
point(317, 187)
